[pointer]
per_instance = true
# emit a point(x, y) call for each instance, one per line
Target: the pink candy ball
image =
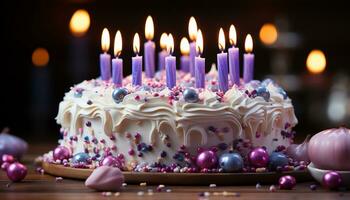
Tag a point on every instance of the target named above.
point(287, 182)
point(332, 180)
point(111, 161)
point(16, 171)
point(207, 159)
point(61, 153)
point(258, 157)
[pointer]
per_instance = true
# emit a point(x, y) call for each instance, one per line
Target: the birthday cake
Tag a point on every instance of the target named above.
point(151, 124)
point(176, 120)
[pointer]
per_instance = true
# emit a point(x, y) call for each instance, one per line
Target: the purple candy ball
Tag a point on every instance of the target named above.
point(111, 161)
point(287, 182)
point(206, 159)
point(332, 180)
point(61, 153)
point(16, 171)
point(8, 158)
point(259, 157)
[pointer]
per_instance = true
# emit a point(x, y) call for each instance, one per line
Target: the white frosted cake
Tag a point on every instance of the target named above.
point(152, 124)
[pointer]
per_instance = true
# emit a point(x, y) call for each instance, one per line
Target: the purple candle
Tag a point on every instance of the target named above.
point(248, 60)
point(185, 59)
point(222, 63)
point(149, 48)
point(199, 63)
point(192, 31)
point(170, 64)
point(105, 58)
point(163, 53)
point(136, 62)
point(233, 57)
point(117, 63)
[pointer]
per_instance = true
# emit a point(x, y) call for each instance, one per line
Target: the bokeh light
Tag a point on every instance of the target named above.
point(40, 57)
point(316, 61)
point(268, 34)
point(79, 23)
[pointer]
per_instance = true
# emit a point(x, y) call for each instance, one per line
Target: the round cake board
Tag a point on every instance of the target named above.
point(154, 178)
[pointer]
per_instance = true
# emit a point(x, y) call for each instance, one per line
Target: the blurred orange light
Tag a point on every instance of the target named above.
point(316, 61)
point(79, 23)
point(268, 34)
point(40, 57)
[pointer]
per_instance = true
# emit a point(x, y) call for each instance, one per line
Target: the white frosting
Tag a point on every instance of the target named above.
point(178, 123)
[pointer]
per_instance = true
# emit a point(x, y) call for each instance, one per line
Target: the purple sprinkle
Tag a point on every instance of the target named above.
point(88, 124)
point(89, 102)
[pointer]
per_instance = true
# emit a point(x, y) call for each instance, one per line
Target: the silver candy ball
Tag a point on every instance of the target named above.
point(119, 94)
point(263, 92)
point(190, 95)
point(231, 162)
point(81, 158)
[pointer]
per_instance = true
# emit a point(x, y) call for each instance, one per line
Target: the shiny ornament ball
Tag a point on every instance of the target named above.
point(231, 162)
point(277, 159)
point(258, 157)
point(111, 161)
point(61, 153)
point(332, 180)
point(81, 158)
point(206, 159)
point(16, 171)
point(11, 145)
point(190, 95)
point(8, 158)
point(287, 182)
point(263, 92)
point(119, 94)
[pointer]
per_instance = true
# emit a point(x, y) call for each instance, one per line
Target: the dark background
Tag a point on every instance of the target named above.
point(30, 96)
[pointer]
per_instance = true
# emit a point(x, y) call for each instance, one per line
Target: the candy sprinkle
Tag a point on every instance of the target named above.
point(117, 194)
point(272, 188)
point(143, 184)
point(140, 193)
point(212, 185)
point(124, 184)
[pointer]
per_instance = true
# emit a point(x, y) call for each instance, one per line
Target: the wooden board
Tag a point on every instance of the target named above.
point(153, 178)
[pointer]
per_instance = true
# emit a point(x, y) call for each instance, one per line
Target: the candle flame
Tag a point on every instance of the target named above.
point(184, 46)
point(79, 23)
point(136, 43)
point(248, 44)
point(192, 29)
point(170, 44)
point(221, 40)
point(316, 61)
point(40, 57)
point(199, 42)
point(118, 44)
point(232, 35)
point(105, 40)
point(149, 28)
point(163, 40)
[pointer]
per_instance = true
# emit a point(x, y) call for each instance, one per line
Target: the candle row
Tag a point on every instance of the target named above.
point(191, 60)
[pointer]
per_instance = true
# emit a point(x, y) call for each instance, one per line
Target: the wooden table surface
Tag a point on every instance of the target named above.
point(37, 186)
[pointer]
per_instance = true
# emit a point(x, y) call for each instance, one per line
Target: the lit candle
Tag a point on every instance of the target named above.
point(248, 65)
point(199, 63)
point(233, 57)
point(192, 31)
point(185, 59)
point(222, 63)
point(136, 62)
point(162, 54)
point(170, 63)
point(105, 58)
point(149, 48)
point(117, 63)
